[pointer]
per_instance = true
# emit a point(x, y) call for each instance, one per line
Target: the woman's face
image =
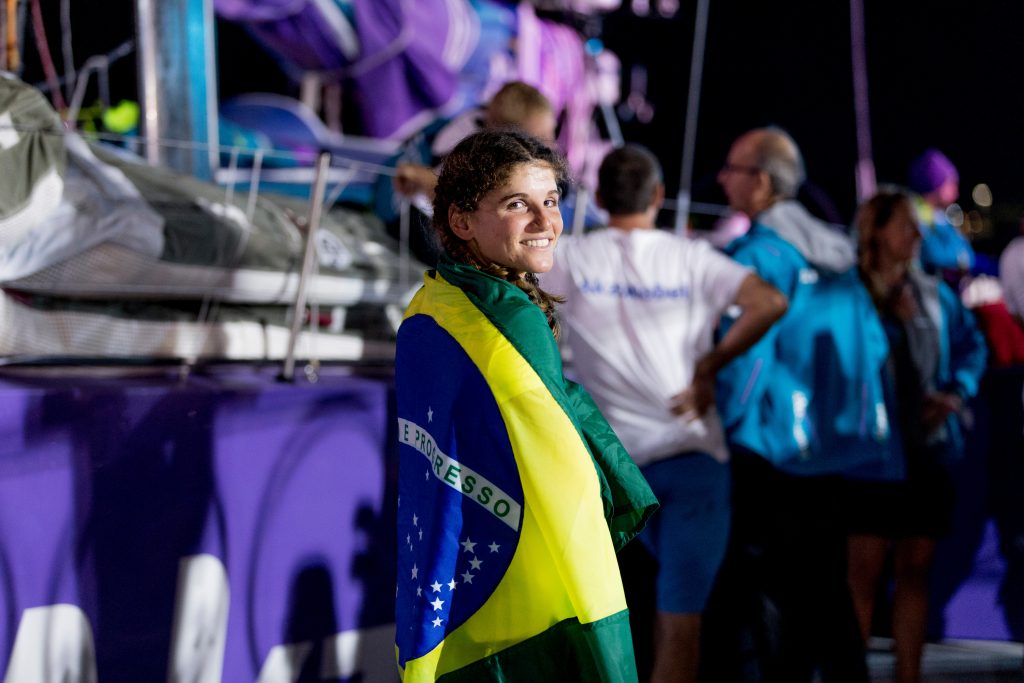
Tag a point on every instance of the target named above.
point(898, 238)
point(516, 225)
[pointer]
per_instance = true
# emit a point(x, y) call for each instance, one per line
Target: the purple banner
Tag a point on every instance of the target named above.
point(224, 527)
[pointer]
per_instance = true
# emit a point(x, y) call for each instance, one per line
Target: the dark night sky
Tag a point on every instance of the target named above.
point(941, 73)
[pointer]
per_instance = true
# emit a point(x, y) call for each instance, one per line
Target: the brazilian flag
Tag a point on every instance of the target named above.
point(514, 495)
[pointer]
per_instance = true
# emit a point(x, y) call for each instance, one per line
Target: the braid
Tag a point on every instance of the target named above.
point(531, 287)
point(544, 300)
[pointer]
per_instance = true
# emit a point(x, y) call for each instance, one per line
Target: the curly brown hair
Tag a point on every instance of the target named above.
point(481, 163)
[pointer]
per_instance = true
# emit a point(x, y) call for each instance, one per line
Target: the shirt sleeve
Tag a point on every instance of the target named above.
point(719, 277)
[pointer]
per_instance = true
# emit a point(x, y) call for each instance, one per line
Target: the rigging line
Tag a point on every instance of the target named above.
point(39, 29)
point(119, 52)
point(700, 31)
point(100, 66)
point(20, 31)
point(336, 155)
point(66, 49)
point(865, 171)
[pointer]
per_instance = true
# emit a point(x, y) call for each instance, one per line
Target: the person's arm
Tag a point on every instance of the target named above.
point(412, 179)
point(968, 353)
point(968, 356)
point(742, 384)
point(761, 306)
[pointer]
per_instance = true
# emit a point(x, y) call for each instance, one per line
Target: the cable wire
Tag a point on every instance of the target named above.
point(66, 47)
point(39, 29)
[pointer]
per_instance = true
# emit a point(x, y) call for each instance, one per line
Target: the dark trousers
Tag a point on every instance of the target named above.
point(1002, 390)
point(781, 609)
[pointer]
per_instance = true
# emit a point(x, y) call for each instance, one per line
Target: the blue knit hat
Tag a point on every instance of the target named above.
point(930, 170)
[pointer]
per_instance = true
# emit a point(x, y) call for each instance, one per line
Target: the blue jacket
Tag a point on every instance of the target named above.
point(808, 397)
point(963, 353)
point(943, 247)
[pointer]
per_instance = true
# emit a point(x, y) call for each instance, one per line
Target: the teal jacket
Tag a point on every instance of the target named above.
point(961, 361)
point(943, 247)
point(808, 397)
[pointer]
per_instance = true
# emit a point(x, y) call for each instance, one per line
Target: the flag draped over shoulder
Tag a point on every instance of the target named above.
point(513, 496)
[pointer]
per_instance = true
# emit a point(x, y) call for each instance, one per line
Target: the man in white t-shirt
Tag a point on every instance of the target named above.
point(641, 306)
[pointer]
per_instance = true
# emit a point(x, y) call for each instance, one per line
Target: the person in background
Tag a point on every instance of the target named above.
point(516, 105)
point(1006, 399)
point(804, 404)
point(514, 494)
point(1011, 275)
point(641, 306)
point(936, 359)
point(944, 250)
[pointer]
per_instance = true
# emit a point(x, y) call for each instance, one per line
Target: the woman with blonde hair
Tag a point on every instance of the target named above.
point(936, 359)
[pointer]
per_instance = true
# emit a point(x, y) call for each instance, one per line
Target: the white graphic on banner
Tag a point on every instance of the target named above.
point(54, 644)
point(200, 621)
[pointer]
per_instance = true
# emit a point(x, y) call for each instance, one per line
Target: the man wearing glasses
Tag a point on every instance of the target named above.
point(800, 408)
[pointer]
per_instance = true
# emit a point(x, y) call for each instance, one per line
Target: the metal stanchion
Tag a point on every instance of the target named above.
point(700, 31)
point(316, 201)
point(229, 190)
point(579, 211)
point(254, 185)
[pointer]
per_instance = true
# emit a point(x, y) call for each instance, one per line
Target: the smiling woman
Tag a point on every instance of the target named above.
point(514, 493)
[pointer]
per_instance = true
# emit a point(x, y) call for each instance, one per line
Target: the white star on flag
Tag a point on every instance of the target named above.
point(467, 577)
point(415, 571)
point(475, 563)
point(419, 591)
point(415, 519)
point(426, 475)
point(493, 546)
point(451, 585)
point(430, 414)
point(468, 545)
point(421, 534)
point(408, 539)
point(436, 587)
point(438, 603)
point(436, 622)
